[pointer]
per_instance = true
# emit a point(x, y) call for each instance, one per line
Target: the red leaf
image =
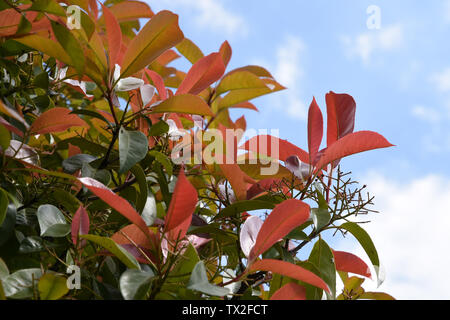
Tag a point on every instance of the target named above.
point(283, 218)
point(341, 110)
point(182, 206)
point(158, 82)
point(114, 35)
point(202, 74)
point(56, 120)
point(225, 52)
point(137, 236)
point(263, 145)
point(116, 202)
point(352, 143)
point(80, 224)
point(348, 262)
point(315, 130)
point(290, 291)
point(289, 270)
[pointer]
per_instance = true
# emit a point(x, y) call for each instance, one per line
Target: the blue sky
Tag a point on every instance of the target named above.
point(399, 76)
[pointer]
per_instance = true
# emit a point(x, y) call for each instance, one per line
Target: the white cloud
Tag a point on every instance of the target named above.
point(411, 235)
point(446, 10)
point(441, 80)
point(367, 44)
point(210, 14)
point(289, 72)
point(428, 114)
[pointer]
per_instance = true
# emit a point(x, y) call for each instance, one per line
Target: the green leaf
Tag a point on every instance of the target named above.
point(66, 199)
point(5, 137)
point(366, 242)
point(186, 263)
point(4, 271)
point(76, 162)
point(134, 284)
point(41, 80)
point(70, 45)
point(133, 147)
point(7, 227)
point(164, 160)
point(322, 257)
point(90, 113)
point(19, 285)
point(24, 26)
point(52, 222)
point(320, 217)
point(101, 175)
point(190, 50)
point(115, 249)
point(52, 287)
point(158, 129)
point(48, 6)
point(4, 202)
point(139, 174)
point(243, 206)
point(199, 281)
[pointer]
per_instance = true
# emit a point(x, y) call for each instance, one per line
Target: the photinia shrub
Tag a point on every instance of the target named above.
point(123, 177)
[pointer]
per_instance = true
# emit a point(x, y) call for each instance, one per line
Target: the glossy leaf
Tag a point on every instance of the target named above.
point(240, 80)
point(47, 46)
point(203, 73)
point(7, 227)
point(249, 233)
point(185, 103)
point(320, 217)
point(80, 224)
point(322, 257)
point(283, 218)
point(182, 206)
point(348, 262)
point(52, 222)
point(190, 50)
point(199, 282)
point(289, 270)
point(290, 291)
point(133, 147)
point(115, 249)
point(226, 52)
point(315, 130)
point(52, 287)
point(131, 10)
point(159, 34)
point(56, 120)
point(341, 110)
point(116, 202)
point(71, 45)
point(353, 143)
point(366, 242)
point(19, 285)
point(134, 284)
point(76, 162)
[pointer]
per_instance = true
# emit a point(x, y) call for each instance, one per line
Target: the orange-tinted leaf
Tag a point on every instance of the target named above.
point(353, 143)
point(237, 178)
point(131, 10)
point(80, 224)
point(283, 218)
point(136, 235)
point(341, 110)
point(225, 52)
point(10, 127)
point(159, 34)
point(185, 103)
point(158, 82)
point(315, 129)
point(203, 73)
point(263, 145)
point(348, 262)
point(289, 270)
point(240, 80)
point(56, 120)
point(47, 46)
point(114, 36)
point(290, 291)
point(182, 206)
point(116, 202)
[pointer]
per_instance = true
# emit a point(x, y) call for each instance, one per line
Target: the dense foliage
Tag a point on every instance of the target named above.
point(121, 178)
